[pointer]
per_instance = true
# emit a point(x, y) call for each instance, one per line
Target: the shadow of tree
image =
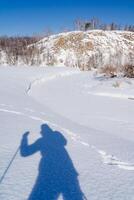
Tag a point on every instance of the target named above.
point(57, 174)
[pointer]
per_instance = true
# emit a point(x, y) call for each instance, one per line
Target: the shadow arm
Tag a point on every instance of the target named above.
point(25, 148)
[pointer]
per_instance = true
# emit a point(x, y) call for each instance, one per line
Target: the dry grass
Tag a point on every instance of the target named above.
point(60, 43)
point(109, 71)
point(73, 41)
point(129, 36)
point(97, 33)
point(128, 71)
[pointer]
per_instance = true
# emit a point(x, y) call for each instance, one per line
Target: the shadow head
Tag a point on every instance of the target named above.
point(45, 130)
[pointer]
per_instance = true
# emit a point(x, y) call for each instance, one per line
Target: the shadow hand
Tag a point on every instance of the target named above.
point(26, 134)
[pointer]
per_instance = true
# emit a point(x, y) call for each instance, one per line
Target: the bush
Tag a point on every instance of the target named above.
point(129, 71)
point(19, 48)
point(109, 71)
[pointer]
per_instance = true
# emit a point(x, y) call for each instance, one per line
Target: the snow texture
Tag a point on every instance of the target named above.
point(60, 139)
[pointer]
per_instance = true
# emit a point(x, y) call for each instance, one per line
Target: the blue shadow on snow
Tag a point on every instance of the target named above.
point(57, 174)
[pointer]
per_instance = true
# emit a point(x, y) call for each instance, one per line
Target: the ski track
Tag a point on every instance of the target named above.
point(11, 111)
point(112, 95)
point(51, 77)
point(105, 157)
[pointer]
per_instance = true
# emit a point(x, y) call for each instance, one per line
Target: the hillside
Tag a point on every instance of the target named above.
point(88, 49)
point(91, 49)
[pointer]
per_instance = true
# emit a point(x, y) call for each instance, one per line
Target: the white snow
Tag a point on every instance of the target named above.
point(98, 128)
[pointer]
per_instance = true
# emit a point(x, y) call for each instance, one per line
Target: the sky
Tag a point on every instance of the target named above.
point(30, 17)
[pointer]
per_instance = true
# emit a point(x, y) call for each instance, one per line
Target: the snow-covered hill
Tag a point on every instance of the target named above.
point(91, 49)
point(87, 50)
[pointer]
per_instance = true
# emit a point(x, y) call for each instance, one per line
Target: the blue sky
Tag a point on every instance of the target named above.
point(22, 17)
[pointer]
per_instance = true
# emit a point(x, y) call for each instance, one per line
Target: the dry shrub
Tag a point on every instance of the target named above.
point(60, 43)
point(74, 38)
point(129, 36)
point(74, 42)
point(68, 41)
point(89, 45)
point(81, 48)
point(17, 48)
point(128, 71)
point(98, 33)
point(109, 71)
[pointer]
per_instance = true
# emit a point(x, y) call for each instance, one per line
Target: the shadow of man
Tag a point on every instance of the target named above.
point(57, 174)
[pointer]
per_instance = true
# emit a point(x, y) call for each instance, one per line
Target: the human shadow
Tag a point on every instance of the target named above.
point(57, 174)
